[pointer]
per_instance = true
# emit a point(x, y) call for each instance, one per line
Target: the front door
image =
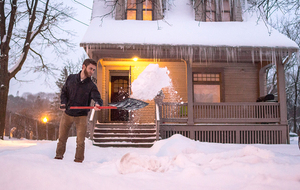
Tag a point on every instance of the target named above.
point(119, 92)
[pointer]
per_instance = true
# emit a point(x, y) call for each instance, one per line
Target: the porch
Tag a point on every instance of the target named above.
point(242, 123)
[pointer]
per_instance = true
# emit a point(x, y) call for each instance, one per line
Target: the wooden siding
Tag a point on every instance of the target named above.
point(240, 80)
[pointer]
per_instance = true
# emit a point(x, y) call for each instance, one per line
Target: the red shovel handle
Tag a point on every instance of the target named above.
point(91, 107)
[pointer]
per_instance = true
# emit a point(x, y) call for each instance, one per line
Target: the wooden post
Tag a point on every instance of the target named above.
point(9, 124)
point(36, 130)
point(47, 131)
point(282, 98)
point(189, 75)
point(24, 128)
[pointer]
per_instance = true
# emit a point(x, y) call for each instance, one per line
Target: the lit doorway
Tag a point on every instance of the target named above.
point(119, 92)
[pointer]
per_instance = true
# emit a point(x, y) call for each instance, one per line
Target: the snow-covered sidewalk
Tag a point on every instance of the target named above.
point(174, 163)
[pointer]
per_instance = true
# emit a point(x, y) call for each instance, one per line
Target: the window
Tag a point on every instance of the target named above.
point(139, 10)
point(131, 10)
point(225, 11)
point(147, 10)
point(220, 11)
point(210, 11)
point(207, 87)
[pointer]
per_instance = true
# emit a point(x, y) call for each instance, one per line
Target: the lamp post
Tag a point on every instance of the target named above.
point(45, 120)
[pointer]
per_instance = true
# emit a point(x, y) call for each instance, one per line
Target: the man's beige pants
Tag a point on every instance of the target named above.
point(64, 127)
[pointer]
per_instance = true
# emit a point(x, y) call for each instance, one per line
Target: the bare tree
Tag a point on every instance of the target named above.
point(284, 16)
point(26, 28)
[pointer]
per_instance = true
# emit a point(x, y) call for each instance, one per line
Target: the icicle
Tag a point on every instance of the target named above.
point(227, 53)
point(230, 5)
point(161, 7)
point(200, 56)
point(274, 56)
point(191, 54)
point(253, 56)
point(222, 7)
point(260, 56)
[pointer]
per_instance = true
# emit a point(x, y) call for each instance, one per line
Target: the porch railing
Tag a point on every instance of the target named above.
point(245, 112)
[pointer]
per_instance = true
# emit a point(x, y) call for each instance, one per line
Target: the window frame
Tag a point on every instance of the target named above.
point(209, 11)
point(218, 12)
point(139, 9)
point(223, 11)
point(219, 71)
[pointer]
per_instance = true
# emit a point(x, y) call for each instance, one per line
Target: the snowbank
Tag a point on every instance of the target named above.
point(174, 163)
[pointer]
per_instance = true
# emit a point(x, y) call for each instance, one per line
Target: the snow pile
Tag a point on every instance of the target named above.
point(150, 82)
point(174, 163)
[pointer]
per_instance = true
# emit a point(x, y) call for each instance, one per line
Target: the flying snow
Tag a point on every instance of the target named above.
point(150, 82)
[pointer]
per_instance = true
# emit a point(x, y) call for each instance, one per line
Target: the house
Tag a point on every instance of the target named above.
point(217, 55)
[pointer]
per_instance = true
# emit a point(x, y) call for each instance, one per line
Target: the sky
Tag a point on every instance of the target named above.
point(175, 163)
point(35, 81)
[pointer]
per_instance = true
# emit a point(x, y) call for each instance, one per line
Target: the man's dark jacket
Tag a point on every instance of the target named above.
point(79, 93)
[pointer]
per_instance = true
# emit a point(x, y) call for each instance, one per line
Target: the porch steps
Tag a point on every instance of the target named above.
point(124, 135)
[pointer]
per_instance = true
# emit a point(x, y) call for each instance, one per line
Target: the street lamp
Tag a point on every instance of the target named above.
point(45, 119)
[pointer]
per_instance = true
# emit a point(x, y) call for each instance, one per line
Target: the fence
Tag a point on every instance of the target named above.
point(222, 112)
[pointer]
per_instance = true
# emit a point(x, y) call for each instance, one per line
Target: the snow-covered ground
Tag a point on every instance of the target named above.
point(174, 163)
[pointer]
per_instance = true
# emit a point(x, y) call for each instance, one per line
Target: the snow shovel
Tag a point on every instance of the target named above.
point(127, 104)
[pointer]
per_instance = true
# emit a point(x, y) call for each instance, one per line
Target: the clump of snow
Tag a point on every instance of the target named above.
point(134, 163)
point(173, 163)
point(150, 82)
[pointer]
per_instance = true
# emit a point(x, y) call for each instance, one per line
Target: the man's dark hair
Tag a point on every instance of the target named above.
point(89, 61)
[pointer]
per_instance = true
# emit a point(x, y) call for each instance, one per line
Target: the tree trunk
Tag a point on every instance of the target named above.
point(296, 98)
point(4, 86)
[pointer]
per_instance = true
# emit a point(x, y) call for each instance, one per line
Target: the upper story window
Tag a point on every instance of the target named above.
point(225, 11)
point(216, 10)
point(139, 10)
point(210, 10)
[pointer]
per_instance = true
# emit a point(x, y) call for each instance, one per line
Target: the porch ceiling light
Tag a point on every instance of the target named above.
point(135, 58)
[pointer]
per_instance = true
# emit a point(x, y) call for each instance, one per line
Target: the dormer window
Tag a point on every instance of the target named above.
point(217, 13)
point(225, 11)
point(139, 10)
point(217, 10)
point(210, 11)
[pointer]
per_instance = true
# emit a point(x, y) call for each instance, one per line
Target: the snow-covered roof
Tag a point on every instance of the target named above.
point(179, 28)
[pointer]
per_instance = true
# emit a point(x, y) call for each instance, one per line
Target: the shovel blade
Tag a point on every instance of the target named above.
point(129, 104)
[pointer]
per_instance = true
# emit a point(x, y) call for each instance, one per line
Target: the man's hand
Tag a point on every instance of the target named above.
point(62, 107)
point(96, 107)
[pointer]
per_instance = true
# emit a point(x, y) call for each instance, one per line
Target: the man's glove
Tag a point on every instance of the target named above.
point(62, 107)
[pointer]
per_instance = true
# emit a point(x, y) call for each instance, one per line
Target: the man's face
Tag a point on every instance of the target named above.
point(89, 70)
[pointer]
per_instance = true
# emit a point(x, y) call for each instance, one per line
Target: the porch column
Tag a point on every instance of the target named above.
point(282, 100)
point(189, 75)
point(281, 91)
